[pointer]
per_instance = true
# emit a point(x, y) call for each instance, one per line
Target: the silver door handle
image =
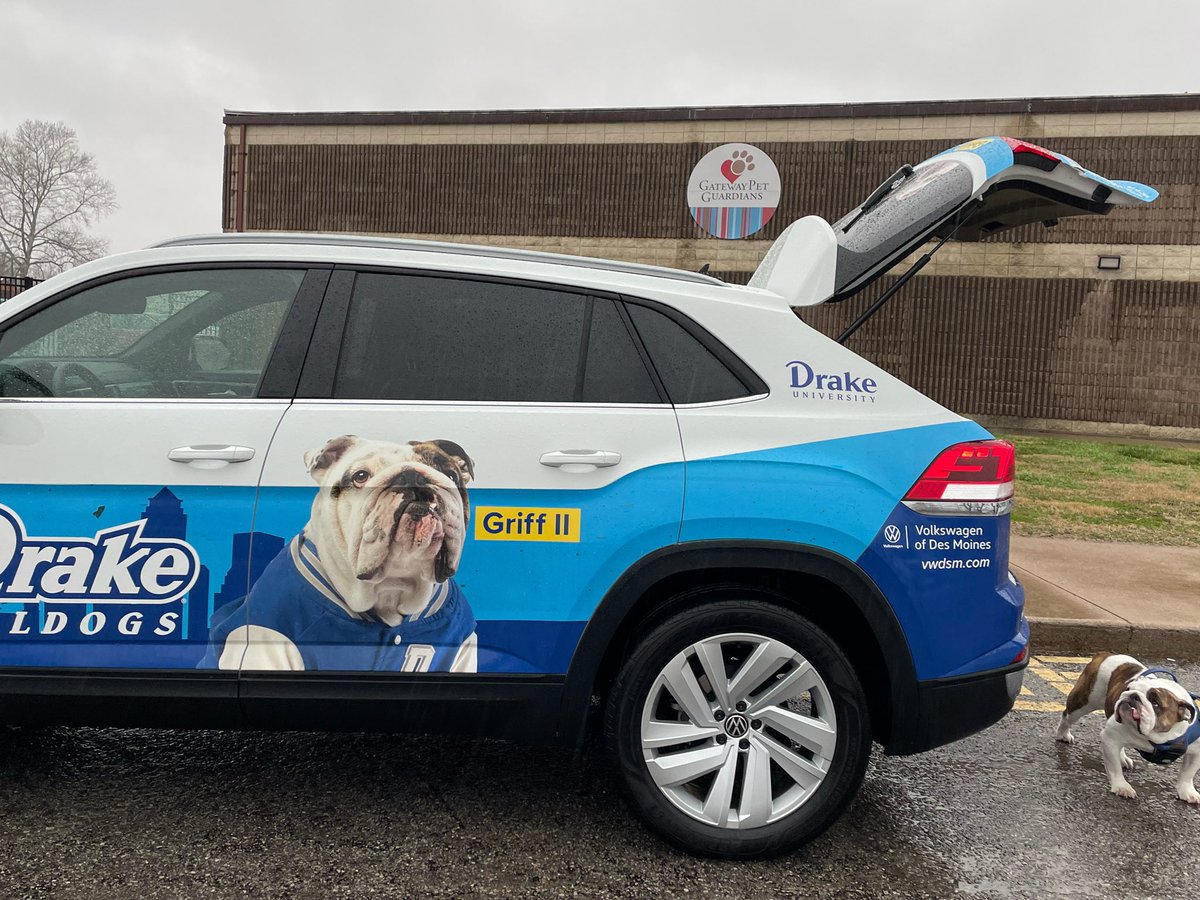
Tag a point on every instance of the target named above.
point(224, 452)
point(597, 458)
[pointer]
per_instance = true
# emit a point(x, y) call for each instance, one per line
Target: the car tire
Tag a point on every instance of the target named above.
point(747, 808)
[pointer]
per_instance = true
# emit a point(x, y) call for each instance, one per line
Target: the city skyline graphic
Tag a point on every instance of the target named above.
point(251, 552)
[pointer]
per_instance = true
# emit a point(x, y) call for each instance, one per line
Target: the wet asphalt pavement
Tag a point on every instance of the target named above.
point(121, 813)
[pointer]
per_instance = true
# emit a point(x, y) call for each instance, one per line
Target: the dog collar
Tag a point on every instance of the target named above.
point(1158, 670)
point(1162, 754)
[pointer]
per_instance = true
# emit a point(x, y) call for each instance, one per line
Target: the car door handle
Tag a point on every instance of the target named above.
point(230, 453)
point(592, 459)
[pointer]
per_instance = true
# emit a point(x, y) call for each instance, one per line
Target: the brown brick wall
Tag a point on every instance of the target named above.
point(637, 190)
point(1047, 348)
point(1067, 348)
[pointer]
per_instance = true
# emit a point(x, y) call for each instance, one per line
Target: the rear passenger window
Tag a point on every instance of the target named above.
point(412, 337)
point(689, 371)
point(418, 338)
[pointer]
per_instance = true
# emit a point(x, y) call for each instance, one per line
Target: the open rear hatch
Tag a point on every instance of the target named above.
point(967, 193)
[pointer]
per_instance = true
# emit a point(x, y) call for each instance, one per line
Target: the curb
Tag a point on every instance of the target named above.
point(1085, 637)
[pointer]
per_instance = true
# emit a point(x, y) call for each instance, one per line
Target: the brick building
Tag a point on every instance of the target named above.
point(1024, 326)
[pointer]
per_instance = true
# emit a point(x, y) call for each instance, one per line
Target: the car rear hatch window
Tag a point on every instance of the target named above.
point(970, 192)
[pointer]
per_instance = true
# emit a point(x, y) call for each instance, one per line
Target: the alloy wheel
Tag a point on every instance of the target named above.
point(738, 730)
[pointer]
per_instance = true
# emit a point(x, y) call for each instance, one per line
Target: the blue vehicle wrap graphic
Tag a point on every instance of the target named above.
point(995, 152)
point(959, 614)
point(139, 632)
point(997, 155)
point(329, 637)
point(947, 580)
point(833, 494)
point(518, 630)
point(619, 527)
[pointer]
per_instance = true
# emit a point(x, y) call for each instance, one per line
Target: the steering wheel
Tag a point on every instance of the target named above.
point(12, 373)
point(58, 383)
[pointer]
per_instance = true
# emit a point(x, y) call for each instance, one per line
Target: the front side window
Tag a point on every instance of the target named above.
point(411, 337)
point(204, 333)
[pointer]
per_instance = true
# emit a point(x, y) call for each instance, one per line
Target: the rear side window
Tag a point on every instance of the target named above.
point(418, 338)
point(689, 370)
point(411, 337)
point(614, 372)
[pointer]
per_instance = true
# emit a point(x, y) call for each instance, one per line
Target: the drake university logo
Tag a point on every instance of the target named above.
point(116, 565)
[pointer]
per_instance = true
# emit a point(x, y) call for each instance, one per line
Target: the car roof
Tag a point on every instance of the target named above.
point(473, 250)
point(674, 286)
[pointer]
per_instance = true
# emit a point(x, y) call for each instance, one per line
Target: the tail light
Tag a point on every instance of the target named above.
point(974, 478)
point(1027, 154)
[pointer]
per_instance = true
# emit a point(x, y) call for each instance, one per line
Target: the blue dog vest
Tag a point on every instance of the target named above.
point(295, 598)
point(1166, 753)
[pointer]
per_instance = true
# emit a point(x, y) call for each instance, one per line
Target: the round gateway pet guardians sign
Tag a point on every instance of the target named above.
point(733, 191)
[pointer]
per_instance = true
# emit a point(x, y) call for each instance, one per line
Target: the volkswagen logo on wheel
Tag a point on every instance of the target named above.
point(736, 726)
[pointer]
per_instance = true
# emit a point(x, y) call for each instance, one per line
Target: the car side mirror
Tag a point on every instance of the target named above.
point(210, 353)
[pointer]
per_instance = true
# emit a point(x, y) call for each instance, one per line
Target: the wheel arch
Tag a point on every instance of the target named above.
point(864, 625)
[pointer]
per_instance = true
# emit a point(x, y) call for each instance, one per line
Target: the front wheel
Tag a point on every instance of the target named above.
point(740, 729)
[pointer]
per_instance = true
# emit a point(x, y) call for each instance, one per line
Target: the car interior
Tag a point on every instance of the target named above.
point(131, 339)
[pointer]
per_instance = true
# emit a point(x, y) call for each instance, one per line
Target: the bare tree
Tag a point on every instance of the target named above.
point(50, 193)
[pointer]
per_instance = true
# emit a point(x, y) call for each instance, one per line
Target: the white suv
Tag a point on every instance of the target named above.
point(317, 481)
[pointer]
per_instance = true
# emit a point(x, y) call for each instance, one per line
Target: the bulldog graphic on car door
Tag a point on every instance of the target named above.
point(368, 583)
point(546, 410)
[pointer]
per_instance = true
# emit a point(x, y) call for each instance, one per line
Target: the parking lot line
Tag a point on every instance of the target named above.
point(1049, 706)
point(1052, 678)
point(1078, 660)
point(1048, 679)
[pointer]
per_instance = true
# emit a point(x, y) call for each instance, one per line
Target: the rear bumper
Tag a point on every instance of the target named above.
point(952, 708)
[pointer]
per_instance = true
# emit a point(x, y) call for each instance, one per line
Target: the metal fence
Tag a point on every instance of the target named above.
point(11, 285)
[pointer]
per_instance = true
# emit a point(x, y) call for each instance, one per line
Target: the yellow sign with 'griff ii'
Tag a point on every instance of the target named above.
point(526, 523)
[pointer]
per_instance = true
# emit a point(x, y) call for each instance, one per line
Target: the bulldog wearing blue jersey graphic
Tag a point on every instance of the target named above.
point(368, 583)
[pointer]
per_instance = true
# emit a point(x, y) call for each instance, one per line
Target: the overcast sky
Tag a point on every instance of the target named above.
point(145, 84)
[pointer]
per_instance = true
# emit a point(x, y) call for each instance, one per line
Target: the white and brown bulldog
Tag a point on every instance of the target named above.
point(368, 583)
point(390, 519)
point(1148, 711)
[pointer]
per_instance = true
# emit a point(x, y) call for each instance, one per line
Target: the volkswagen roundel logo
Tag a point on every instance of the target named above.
point(737, 725)
point(892, 534)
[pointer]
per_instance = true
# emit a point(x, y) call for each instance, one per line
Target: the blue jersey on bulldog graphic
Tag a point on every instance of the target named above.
point(294, 612)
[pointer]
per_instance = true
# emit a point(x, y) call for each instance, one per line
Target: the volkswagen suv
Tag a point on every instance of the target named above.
point(335, 482)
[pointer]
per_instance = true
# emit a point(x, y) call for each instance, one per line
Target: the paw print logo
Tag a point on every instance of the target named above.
point(741, 161)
